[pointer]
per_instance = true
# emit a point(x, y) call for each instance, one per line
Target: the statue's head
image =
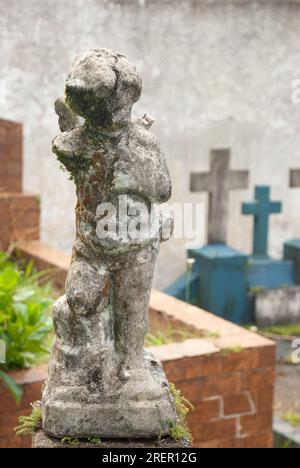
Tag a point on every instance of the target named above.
point(102, 87)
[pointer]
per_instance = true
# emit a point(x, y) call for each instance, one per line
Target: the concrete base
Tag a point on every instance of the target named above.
point(277, 306)
point(43, 440)
point(141, 407)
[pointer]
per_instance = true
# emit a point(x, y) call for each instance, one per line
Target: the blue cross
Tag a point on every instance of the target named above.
point(261, 208)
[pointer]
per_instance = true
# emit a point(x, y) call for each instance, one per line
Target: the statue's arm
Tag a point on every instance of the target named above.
point(62, 147)
point(144, 172)
point(67, 145)
point(67, 119)
point(70, 151)
point(162, 186)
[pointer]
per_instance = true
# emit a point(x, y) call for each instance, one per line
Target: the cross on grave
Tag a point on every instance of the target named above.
point(218, 182)
point(295, 178)
point(261, 208)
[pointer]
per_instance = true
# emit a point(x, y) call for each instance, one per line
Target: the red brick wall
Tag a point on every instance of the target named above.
point(232, 409)
point(19, 212)
point(10, 156)
point(31, 381)
point(233, 400)
point(19, 218)
point(231, 386)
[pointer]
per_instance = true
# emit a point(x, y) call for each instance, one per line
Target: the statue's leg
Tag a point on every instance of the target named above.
point(132, 286)
point(83, 348)
point(103, 377)
point(87, 286)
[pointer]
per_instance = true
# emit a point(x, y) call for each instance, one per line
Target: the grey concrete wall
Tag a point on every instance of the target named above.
point(215, 73)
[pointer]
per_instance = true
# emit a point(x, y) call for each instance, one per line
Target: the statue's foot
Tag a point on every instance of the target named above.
point(144, 381)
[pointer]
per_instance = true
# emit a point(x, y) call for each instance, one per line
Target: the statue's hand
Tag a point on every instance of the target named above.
point(166, 227)
point(67, 119)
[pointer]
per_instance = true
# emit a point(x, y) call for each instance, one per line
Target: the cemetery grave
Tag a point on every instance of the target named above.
point(287, 401)
point(250, 288)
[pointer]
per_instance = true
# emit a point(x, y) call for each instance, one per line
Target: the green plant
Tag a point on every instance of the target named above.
point(179, 429)
point(292, 418)
point(157, 338)
point(172, 335)
point(180, 432)
point(12, 386)
point(25, 322)
point(233, 350)
point(257, 289)
point(290, 329)
point(212, 334)
point(251, 327)
point(286, 444)
point(28, 425)
point(95, 440)
point(70, 441)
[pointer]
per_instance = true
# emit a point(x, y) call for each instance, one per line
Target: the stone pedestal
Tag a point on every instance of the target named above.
point(43, 440)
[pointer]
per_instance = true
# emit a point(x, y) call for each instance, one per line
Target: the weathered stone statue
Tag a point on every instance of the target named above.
point(101, 380)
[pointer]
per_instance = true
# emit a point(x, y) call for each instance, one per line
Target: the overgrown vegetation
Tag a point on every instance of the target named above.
point(73, 165)
point(94, 440)
point(286, 444)
point(28, 425)
point(12, 386)
point(70, 441)
point(292, 418)
point(233, 350)
point(290, 329)
point(175, 335)
point(25, 322)
point(257, 289)
point(179, 430)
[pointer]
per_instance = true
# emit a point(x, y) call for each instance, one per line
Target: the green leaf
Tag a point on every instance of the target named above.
point(28, 269)
point(12, 386)
point(25, 322)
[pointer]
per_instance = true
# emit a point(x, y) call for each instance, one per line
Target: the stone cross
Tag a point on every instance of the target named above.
point(295, 178)
point(218, 182)
point(261, 208)
point(101, 381)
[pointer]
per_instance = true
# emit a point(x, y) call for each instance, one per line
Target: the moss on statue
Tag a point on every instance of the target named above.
point(28, 425)
point(179, 430)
